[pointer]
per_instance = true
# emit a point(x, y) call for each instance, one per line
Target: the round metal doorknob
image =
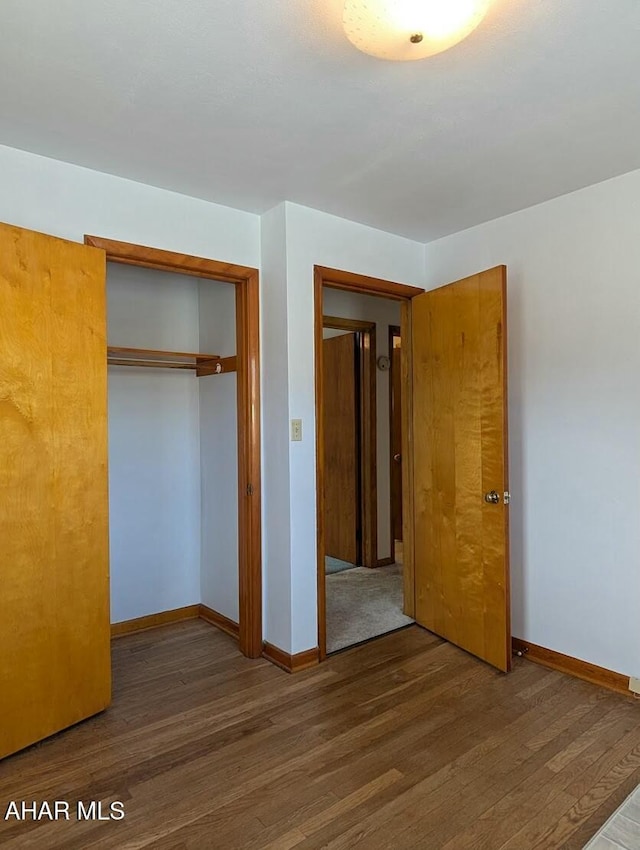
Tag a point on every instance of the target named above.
point(492, 497)
point(397, 458)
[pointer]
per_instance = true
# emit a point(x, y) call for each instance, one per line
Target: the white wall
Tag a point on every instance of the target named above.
point(69, 201)
point(219, 453)
point(313, 237)
point(382, 311)
point(154, 447)
point(276, 492)
point(574, 360)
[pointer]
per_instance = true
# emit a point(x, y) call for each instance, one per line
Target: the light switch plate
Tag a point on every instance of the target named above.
point(296, 430)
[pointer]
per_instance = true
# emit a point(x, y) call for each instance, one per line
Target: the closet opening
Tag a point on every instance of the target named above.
point(184, 441)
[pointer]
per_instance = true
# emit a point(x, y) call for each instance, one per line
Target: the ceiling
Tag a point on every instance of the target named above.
point(251, 102)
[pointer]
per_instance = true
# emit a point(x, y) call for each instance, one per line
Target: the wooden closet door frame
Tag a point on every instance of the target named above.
point(246, 281)
point(365, 285)
point(368, 487)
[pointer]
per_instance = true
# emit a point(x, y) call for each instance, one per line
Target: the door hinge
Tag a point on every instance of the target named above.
point(507, 497)
point(249, 489)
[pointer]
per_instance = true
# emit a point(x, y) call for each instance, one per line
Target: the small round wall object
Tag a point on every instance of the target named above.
point(384, 363)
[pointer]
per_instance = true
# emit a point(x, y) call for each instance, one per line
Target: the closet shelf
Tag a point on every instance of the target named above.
point(202, 364)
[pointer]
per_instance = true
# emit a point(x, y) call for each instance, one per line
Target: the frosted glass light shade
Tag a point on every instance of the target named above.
point(410, 29)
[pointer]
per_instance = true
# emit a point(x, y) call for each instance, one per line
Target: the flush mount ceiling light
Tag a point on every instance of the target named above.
point(410, 29)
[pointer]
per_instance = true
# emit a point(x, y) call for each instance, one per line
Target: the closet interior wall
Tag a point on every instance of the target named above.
point(219, 454)
point(172, 544)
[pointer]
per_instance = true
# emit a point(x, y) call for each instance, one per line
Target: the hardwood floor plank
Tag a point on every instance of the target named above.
point(352, 801)
point(592, 800)
point(591, 825)
point(527, 800)
point(405, 742)
point(387, 821)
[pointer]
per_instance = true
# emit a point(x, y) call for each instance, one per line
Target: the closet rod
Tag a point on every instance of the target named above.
point(151, 364)
point(202, 364)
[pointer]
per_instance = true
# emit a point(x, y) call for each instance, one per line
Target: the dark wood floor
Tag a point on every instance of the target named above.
point(405, 742)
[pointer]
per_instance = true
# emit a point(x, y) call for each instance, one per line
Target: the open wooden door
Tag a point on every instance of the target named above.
point(341, 452)
point(461, 522)
point(54, 593)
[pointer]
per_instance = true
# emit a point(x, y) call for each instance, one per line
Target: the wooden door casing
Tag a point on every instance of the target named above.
point(461, 543)
point(341, 449)
point(54, 602)
point(324, 277)
point(247, 286)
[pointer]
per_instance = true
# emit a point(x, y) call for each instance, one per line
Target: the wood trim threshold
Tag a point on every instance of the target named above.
point(385, 562)
point(229, 627)
point(572, 666)
point(153, 621)
point(291, 663)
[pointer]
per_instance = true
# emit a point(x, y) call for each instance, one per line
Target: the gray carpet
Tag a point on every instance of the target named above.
point(335, 565)
point(622, 830)
point(363, 603)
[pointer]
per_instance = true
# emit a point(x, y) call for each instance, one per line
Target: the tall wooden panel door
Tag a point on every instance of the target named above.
point(460, 465)
point(341, 452)
point(54, 592)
